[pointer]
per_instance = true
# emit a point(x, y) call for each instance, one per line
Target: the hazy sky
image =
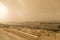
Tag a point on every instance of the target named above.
point(30, 10)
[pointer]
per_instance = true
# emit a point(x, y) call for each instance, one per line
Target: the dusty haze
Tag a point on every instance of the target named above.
point(31, 10)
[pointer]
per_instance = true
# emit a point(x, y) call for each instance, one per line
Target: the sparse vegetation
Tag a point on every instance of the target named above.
point(34, 28)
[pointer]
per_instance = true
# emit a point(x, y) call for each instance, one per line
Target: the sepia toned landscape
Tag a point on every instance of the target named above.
point(29, 19)
point(31, 31)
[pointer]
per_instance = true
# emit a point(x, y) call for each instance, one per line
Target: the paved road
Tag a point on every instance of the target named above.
point(8, 36)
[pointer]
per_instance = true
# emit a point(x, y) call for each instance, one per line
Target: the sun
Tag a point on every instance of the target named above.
point(3, 10)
